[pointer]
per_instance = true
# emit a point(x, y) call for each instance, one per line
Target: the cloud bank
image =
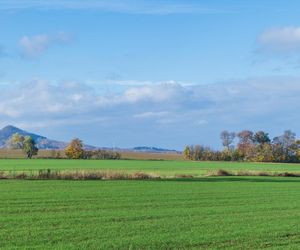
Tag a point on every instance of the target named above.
point(165, 114)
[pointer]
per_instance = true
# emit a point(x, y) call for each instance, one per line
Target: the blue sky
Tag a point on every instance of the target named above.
point(156, 73)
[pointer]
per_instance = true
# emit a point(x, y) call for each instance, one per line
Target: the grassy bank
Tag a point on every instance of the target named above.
point(161, 168)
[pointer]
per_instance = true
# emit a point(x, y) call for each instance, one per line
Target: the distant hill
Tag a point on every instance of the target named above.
point(41, 141)
point(154, 150)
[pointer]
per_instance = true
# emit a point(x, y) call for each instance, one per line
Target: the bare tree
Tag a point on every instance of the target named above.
point(245, 136)
point(227, 138)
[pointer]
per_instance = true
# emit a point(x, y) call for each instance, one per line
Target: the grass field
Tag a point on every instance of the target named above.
point(203, 212)
point(215, 212)
point(163, 168)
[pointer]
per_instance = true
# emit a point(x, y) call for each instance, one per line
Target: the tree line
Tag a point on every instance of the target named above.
point(74, 150)
point(251, 146)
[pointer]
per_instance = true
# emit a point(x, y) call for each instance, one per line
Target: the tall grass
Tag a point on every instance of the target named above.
point(48, 174)
point(222, 172)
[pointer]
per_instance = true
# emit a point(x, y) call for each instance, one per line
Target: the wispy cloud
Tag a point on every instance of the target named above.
point(127, 6)
point(129, 83)
point(34, 46)
point(148, 115)
point(284, 39)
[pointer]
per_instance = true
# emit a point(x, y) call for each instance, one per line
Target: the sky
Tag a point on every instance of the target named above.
point(162, 73)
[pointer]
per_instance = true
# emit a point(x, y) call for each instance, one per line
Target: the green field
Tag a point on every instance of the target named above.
point(215, 212)
point(163, 168)
point(196, 213)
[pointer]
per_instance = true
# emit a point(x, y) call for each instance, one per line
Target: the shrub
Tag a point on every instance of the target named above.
point(184, 176)
point(3, 175)
point(222, 172)
point(105, 155)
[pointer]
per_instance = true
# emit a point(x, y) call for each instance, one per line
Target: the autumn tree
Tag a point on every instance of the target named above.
point(246, 145)
point(16, 141)
point(187, 153)
point(29, 147)
point(285, 147)
point(263, 152)
point(27, 144)
point(251, 147)
point(75, 149)
point(245, 136)
point(297, 149)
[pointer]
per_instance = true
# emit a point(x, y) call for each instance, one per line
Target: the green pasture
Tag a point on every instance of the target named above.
point(204, 213)
point(164, 168)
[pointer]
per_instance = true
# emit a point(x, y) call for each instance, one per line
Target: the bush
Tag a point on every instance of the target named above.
point(104, 155)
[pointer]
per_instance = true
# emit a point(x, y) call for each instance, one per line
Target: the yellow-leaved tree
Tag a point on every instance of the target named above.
point(75, 149)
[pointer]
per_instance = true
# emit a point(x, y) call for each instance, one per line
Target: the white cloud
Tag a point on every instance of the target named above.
point(168, 112)
point(130, 83)
point(34, 46)
point(158, 93)
point(282, 39)
point(147, 115)
point(43, 98)
point(56, 123)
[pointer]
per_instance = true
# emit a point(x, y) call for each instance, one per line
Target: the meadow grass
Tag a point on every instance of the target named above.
point(161, 168)
point(211, 212)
